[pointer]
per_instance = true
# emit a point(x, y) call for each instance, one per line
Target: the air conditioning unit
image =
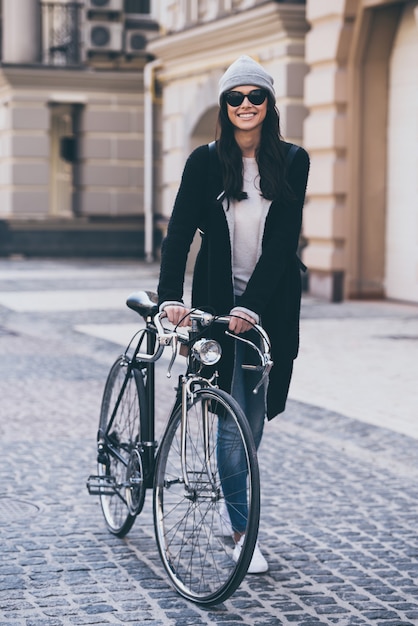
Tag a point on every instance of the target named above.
point(104, 36)
point(135, 41)
point(104, 5)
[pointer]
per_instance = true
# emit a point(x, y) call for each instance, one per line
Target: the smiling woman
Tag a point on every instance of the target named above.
point(245, 195)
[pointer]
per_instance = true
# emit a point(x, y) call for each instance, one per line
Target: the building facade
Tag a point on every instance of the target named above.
point(103, 100)
point(361, 219)
point(72, 126)
point(346, 76)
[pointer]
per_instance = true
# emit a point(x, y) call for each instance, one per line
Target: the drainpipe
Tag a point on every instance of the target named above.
point(149, 157)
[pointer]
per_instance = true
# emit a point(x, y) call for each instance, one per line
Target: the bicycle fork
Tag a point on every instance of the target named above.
point(187, 396)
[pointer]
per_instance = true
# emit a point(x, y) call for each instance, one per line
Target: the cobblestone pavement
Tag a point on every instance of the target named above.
point(339, 494)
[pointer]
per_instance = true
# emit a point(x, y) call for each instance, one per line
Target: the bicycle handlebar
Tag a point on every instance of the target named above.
point(166, 337)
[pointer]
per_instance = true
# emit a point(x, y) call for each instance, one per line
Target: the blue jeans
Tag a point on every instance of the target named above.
point(231, 461)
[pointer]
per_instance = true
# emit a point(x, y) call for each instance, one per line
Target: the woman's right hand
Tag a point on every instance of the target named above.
point(177, 314)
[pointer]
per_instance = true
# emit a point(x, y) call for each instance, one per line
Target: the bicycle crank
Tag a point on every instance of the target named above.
point(135, 486)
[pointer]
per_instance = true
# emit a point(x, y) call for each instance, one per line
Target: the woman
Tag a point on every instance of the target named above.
point(246, 197)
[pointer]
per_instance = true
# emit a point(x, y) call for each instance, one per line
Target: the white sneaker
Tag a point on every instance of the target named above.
point(224, 522)
point(258, 564)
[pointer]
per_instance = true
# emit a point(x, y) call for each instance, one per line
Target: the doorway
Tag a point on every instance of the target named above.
point(64, 136)
point(401, 271)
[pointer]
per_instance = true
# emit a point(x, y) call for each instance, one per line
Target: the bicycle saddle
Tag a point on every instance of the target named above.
point(143, 302)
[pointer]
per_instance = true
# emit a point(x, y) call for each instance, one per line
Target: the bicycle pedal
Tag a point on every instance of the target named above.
point(101, 485)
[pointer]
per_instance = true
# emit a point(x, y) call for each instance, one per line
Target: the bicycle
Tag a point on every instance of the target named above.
point(184, 470)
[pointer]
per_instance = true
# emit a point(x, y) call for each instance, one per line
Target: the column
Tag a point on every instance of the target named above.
point(325, 137)
point(21, 31)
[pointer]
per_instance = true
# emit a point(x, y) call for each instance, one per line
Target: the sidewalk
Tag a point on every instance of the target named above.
point(359, 358)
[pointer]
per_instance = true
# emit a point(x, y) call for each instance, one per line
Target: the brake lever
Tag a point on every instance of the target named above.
point(265, 374)
point(265, 365)
point(174, 342)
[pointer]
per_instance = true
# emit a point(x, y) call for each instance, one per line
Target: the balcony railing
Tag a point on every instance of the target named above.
point(174, 15)
point(61, 33)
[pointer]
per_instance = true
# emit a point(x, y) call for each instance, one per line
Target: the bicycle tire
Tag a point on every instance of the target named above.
point(197, 560)
point(120, 460)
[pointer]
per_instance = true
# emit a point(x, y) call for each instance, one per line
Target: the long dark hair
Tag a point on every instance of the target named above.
point(269, 156)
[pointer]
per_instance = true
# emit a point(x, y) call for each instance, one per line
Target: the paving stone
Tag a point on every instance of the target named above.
point(339, 495)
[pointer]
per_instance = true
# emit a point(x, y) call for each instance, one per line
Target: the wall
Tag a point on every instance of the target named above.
point(349, 48)
point(325, 137)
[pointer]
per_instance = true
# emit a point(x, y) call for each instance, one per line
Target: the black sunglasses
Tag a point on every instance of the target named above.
point(236, 98)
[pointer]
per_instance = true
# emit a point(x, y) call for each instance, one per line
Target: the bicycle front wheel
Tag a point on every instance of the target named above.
point(193, 482)
point(120, 462)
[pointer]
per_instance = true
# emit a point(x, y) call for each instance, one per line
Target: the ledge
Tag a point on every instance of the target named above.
point(81, 237)
point(41, 76)
point(261, 23)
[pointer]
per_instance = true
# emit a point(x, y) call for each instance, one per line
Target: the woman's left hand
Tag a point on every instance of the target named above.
point(240, 322)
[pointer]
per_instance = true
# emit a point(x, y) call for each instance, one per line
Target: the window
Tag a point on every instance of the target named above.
point(61, 33)
point(138, 6)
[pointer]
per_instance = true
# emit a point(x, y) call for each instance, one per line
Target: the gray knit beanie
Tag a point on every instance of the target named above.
point(245, 71)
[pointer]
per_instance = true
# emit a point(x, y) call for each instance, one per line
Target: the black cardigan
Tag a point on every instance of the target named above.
point(274, 289)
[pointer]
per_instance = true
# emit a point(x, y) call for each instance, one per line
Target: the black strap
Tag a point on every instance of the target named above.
point(210, 180)
point(212, 162)
point(212, 168)
point(291, 154)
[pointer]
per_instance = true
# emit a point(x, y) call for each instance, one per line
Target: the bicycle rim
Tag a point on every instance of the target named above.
point(119, 460)
point(197, 558)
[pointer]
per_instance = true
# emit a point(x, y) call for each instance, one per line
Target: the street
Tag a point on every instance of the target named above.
point(339, 469)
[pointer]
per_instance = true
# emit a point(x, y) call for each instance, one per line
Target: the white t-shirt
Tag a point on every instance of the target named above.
point(246, 220)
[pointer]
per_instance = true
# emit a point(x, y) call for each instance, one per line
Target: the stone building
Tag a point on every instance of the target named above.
point(346, 75)
point(103, 100)
point(362, 133)
point(72, 126)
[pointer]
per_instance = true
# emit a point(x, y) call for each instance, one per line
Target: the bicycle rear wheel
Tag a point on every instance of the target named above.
point(120, 460)
point(196, 557)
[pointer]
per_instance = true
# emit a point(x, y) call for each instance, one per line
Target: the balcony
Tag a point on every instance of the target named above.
point(175, 16)
point(61, 33)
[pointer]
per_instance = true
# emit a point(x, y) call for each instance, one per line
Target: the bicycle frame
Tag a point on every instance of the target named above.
point(148, 442)
point(157, 338)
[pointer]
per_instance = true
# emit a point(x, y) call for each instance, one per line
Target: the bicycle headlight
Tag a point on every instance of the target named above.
point(207, 351)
